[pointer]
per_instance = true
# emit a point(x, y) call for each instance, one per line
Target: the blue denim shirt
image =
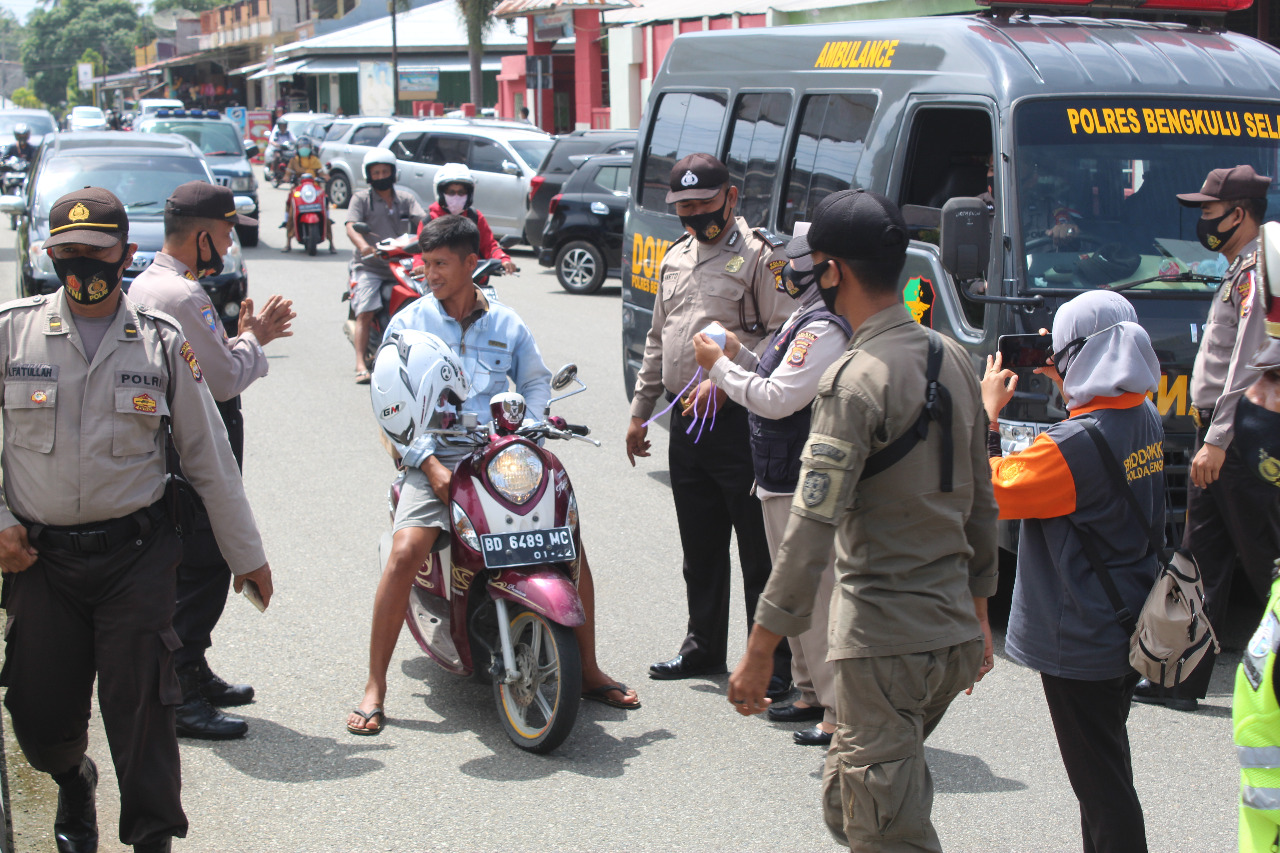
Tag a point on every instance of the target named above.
point(496, 345)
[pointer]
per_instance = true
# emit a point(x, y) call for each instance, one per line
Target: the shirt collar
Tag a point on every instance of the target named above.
point(169, 262)
point(878, 323)
point(1127, 400)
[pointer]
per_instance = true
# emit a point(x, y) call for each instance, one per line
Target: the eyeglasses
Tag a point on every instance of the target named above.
point(1062, 358)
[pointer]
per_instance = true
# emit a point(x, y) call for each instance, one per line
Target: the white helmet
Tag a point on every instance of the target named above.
point(381, 155)
point(415, 376)
point(454, 173)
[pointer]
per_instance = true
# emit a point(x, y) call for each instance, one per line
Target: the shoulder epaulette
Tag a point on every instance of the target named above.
point(157, 314)
point(773, 241)
point(682, 238)
point(1250, 261)
point(25, 302)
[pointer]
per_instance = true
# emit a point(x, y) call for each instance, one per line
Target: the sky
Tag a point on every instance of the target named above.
point(20, 8)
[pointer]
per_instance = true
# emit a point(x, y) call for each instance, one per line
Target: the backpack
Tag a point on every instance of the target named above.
point(1172, 634)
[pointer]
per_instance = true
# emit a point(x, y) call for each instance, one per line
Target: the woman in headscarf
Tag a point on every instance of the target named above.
point(1062, 622)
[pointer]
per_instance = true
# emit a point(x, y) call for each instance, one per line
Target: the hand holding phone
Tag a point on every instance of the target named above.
point(251, 592)
point(1019, 352)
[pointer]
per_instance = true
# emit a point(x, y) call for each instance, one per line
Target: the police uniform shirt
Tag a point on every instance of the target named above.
point(229, 364)
point(729, 281)
point(1235, 330)
point(83, 442)
point(384, 220)
point(909, 557)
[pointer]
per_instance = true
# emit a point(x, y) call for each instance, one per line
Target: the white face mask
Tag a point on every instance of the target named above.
point(455, 203)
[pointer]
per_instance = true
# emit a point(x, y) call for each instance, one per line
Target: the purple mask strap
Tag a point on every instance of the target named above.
point(695, 378)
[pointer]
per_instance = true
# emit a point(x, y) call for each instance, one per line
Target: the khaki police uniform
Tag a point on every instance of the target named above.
point(1236, 520)
point(732, 281)
point(910, 558)
point(229, 366)
point(84, 470)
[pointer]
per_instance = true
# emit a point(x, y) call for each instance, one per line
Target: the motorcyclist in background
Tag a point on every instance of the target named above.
point(21, 145)
point(455, 193)
point(304, 162)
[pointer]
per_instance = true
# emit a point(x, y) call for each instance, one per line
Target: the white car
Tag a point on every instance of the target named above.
point(86, 118)
point(148, 107)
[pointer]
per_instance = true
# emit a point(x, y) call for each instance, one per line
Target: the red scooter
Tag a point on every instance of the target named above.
point(309, 212)
point(509, 602)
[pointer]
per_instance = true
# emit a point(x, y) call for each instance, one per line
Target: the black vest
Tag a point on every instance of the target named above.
point(776, 445)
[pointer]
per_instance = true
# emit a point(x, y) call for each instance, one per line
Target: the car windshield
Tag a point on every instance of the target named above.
point(1095, 183)
point(212, 137)
point(532, 151)
point(142, 182)
point(39, 124)
point(86, 112)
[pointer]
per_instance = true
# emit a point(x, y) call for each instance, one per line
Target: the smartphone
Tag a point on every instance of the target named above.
point(250, 590)
point(1022, 351)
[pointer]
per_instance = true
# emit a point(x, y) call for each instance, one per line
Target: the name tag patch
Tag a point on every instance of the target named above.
point(139, 379)
point(32, 371)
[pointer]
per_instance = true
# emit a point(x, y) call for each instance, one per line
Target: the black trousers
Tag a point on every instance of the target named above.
point(1089, 719)
point(73, 616)
point(204, 579)
point(711, 483)
point(1235, 523)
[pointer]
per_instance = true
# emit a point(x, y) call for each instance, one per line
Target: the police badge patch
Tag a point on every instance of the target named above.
point(210, 318)
point(814, 490)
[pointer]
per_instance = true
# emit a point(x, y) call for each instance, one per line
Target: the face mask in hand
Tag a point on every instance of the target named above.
point(1208, 234)
point(707, 226)
point(210, 262)
point(455, 203)
point(88, 281)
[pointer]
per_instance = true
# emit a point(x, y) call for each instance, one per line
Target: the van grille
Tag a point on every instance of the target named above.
point(222, 180)
point(1177, 466)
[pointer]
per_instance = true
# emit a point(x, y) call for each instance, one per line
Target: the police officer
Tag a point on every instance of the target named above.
point(199, 218)
point(913, 523)
point(1232, 518)
point(720, 270)
point(92, 382)
point(777, 390)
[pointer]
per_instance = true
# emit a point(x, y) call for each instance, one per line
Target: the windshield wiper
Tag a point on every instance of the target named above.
point(132, 205)
point(1179, 277)
point(216, 153)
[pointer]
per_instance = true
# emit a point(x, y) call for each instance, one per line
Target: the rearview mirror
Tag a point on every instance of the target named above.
point(563, 376)
point(14, 205)
point(250, 148)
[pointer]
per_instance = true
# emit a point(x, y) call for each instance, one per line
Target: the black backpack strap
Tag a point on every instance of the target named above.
point(937, 407)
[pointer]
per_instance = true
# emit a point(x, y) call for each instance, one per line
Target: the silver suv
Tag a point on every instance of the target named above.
point(343, 149)
point(502, 156)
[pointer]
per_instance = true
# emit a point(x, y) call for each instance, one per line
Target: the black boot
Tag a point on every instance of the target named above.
point(154, 846)
point(75, 827)
point(218, 692)
point(196, 718)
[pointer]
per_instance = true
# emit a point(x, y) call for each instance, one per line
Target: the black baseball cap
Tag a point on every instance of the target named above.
point(856, 225)
point(1235, 183)
point(203, 200)
point(92, 216)
point(696, 177)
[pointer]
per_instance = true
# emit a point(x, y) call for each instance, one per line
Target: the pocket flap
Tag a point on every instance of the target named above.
point(135, 402)
point(30, 395)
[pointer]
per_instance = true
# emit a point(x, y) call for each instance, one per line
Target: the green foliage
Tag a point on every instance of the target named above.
point(189, 5)
point(57, 38)
point(25, 98)
point(11, 36)
point(477, 15)
point(145, 33)
point(75, 95)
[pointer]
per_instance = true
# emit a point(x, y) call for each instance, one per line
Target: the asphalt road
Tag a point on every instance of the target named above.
point(682, 773)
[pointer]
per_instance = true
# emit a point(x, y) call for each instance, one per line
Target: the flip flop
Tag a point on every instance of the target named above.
point(601, 694)
point(362, 377)
point(368, 717)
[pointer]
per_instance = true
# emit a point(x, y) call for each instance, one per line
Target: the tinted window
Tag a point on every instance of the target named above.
point(370, 134)
point(559, 163)
point(440, 149)
point(684, 123)
point(531, 151)
point(487, 156)
point(828, 146)
point(336, 130)
point(614, 178)
point(405, 146)
point(142, 182)
point(755, 150)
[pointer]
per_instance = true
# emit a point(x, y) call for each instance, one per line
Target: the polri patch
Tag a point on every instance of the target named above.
point(1244, 289)
point(189, 356)
point(139, 379)
point(815, 488)
point(39, 398)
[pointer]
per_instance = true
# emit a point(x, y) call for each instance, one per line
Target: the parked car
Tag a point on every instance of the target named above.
point(566, 154)
point(148, 106)
point(41, 123)
point(315, 129)
point(142, 169)
point(500, 154)
point(342, 151)
point(226, 152)
point(582, 238)
point(86, 118)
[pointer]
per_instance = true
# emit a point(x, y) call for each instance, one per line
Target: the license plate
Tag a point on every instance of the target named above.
point(527, 548)
point(308, 208)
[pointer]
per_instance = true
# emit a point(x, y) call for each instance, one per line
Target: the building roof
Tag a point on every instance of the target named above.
point(515, 8)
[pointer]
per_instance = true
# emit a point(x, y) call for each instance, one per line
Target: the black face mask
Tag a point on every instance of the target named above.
point(383, 184)
point(1210, 237)
point(828, 294)
point(707, 226)
point(1257, 437)
point(795, 282)
point(206, 266)
point(88, 281)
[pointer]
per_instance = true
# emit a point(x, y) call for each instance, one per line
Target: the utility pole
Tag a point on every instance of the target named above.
point(395, 64)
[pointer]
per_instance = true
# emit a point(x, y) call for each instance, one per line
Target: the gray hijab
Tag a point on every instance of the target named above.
point(1117, 356)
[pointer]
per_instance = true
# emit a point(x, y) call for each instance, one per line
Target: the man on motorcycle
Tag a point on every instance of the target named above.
point(495, 346)
point(21, 145)
point(388, 212)
point(304, 162)
point(455, 193)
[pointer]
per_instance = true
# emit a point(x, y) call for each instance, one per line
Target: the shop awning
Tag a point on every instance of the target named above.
point(330, 65)
point(284, 69)
point(247, 69)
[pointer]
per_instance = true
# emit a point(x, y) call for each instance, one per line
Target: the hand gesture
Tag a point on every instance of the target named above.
point(16, 553)
point(261, 578)
point(706, 351)
point(274, 321)
point(636, 443)
point(750, 682)
point(998, 385)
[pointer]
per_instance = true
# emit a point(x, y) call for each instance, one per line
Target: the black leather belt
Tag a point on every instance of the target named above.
point(1202, 417)
point(100, 536)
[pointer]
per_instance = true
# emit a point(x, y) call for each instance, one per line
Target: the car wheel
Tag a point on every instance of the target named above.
point(248, 235)
point(580, 267)
point(339, 190)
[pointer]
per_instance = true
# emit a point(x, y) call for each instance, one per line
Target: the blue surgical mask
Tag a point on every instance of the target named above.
point(304, 151)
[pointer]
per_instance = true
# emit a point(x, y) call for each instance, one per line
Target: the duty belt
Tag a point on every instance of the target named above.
point(1201, 417)
point(100, 536)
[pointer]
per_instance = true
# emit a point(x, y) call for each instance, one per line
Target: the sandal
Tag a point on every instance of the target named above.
point(601, 694)
point(368, 718)
point(362, 377)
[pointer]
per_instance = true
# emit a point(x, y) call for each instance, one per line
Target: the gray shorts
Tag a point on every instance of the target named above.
point(367, 294)
point(420, 507)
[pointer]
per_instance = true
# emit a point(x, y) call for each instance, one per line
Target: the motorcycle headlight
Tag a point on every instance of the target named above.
point(40, 258)
point(309, 193)
point(246, 184)
point(516, 473)
point(1017, 435)
point(462, 527)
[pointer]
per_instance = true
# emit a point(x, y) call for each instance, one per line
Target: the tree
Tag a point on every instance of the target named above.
point(188, 5)
point(145, 33)
point(478, 17)
point(58, 37)
point(24, 98)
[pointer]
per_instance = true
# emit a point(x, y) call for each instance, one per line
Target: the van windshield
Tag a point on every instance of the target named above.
point(1095, 180)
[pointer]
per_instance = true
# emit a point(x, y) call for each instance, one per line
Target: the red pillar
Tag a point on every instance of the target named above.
point(588, 82)
point(544, 100)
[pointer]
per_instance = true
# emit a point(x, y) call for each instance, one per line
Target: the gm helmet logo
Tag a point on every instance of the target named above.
point(389, 411)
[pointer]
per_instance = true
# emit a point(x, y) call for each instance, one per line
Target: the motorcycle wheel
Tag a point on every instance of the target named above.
point(311, 238)
point(539, 708)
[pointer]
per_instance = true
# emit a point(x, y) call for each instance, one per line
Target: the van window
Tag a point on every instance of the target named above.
point(755, 150)
point(336, 130)
point(683, 123)
point(949, 150)
point(828, 146)
point(370, 134)
point(441, 148)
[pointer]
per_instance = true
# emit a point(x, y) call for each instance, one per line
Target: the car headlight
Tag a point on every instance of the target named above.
point(516, 473)
point(40, 258)
point(247, 184)
point(462, 527)
point(1018, 435)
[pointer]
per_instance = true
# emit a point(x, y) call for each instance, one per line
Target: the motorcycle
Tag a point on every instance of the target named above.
point(508, 604)
point(278, 163)
point(405, 289)
point(13, 181)
point(310, 212)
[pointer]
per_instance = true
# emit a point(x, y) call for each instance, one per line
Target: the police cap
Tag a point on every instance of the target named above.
point(1233, 184)
point(92, 216)
point(203, 200)
point(696, 177)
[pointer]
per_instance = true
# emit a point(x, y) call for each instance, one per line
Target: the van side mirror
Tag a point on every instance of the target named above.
point(250, 148)
point(965, 238)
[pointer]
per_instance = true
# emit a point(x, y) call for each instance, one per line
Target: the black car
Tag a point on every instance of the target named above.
point(142, 169)
point(566, 154)
point(583, 235)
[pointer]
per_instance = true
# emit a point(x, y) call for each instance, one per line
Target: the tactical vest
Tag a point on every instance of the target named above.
point(776, 444)
point(1255, 717)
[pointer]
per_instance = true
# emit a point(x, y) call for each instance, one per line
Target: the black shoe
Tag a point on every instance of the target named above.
point(75, 827)
point(196, 718)
point(812, 737)
point(678, 667)
point(1155, 694)
point(218, 692)
point(165, 846)
point(779, 688)
point(792, 714)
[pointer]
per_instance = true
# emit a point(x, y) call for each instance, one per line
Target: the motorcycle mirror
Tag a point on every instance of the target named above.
point(14, 205)
point(360, 227)
point(564, 376)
